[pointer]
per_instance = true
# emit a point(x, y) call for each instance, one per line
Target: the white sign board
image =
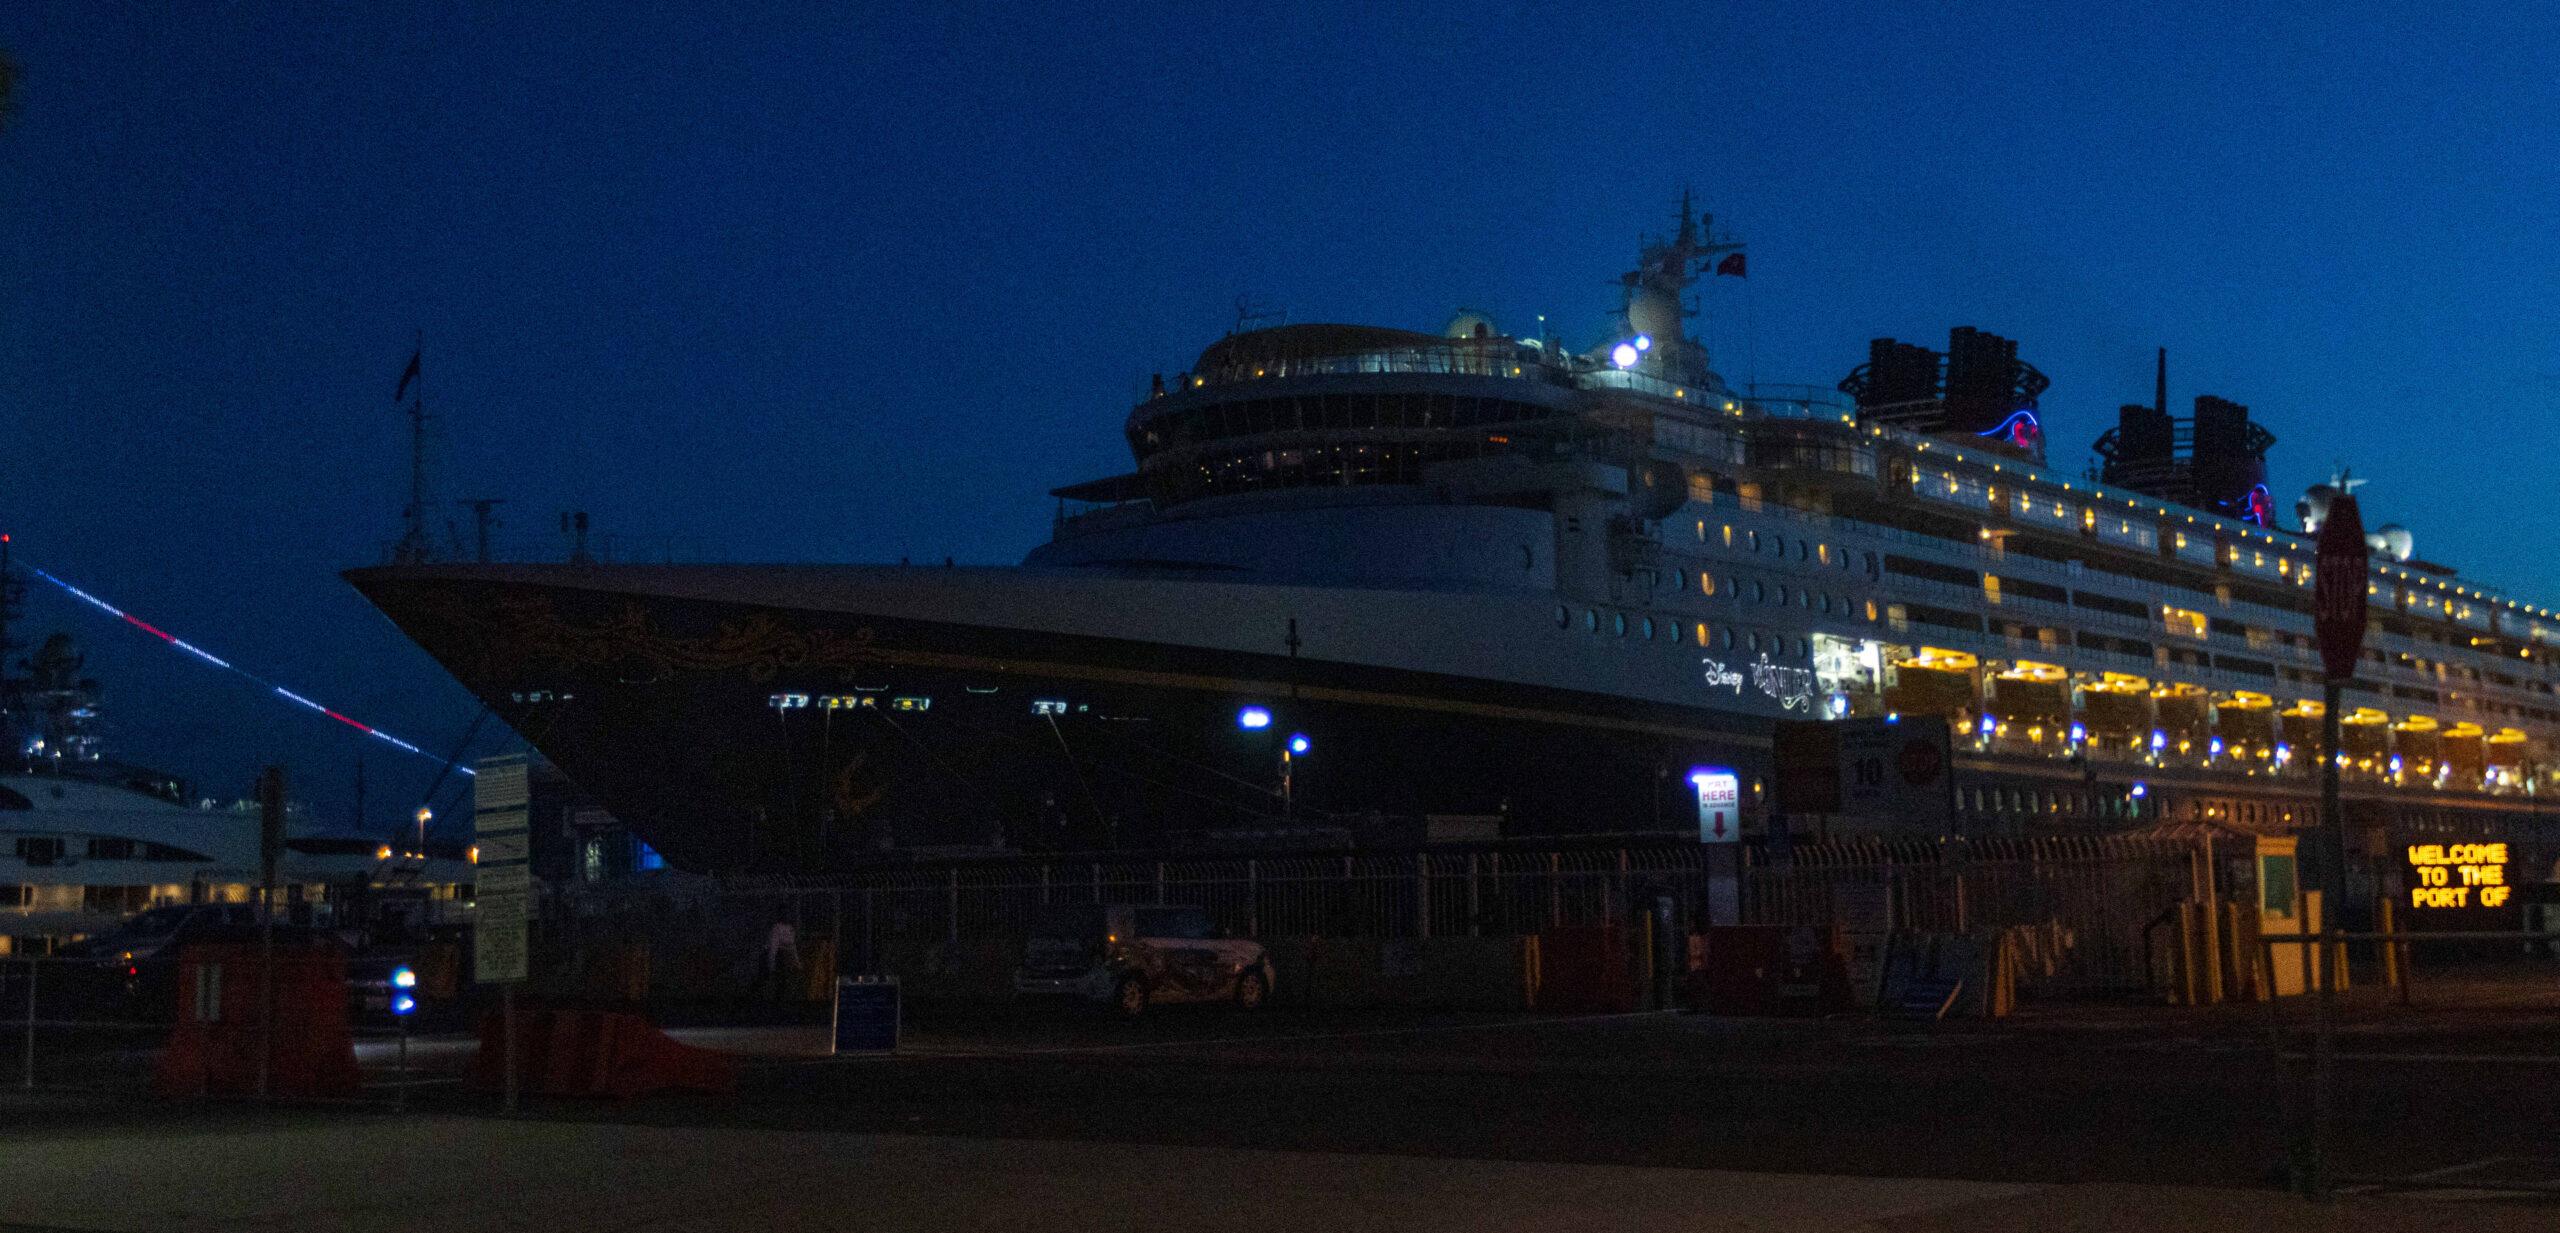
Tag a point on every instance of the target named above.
point(1719, 804)
point(1864, 911)
point(501, 829)
point(1898, 771)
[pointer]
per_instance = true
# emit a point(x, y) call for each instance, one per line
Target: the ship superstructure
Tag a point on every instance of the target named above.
point(1360, 577)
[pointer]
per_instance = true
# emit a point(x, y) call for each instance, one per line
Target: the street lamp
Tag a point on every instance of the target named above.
point(1289, 753)
point(425, 815)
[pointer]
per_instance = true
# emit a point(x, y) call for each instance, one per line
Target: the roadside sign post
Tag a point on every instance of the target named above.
point(502, 891)
point(2340, 576)
point(1719, 795)
point(270, 851)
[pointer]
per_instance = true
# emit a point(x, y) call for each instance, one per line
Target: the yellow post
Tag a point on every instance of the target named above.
point(1645, 991)
point(2390, 947)
point(2187, 982)
point(2211, 949)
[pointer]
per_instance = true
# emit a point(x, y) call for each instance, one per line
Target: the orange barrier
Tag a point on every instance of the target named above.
point(214, 1045)
point(562, 1052)
point(1771, 970)
point(1585, 969)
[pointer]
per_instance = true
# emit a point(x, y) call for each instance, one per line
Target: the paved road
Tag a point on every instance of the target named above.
point(2094, 1119)
point(318, 1172)
point(2140, 1097)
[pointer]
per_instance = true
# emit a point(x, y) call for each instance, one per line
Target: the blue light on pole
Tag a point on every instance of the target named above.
point(1298, 743)
point(2140, 790)
point(403, 977)
point(403, 1004)
point(1253, 717)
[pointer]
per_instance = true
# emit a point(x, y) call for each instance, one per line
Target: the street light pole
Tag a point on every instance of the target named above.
point(2342, 582)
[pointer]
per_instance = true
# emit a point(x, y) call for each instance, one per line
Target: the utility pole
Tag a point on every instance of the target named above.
point(270, 851)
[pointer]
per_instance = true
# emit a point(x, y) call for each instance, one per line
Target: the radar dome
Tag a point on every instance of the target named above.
point(2392, 540)
point(2313, 508)
point(1470, 324)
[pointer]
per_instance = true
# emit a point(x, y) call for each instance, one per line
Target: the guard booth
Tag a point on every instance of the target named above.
point(2285, 906)
point(2280, 911)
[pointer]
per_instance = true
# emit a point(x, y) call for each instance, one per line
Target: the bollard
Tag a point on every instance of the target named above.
point(31, 1024)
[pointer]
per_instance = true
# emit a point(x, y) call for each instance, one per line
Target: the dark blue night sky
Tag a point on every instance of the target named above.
point(859, 283)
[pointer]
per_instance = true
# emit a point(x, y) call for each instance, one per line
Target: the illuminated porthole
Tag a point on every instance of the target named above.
point(1703, 635)
point(1753, 537)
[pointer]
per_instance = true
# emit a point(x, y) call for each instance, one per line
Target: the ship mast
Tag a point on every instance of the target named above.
point(1656, 290)
point(413, 548)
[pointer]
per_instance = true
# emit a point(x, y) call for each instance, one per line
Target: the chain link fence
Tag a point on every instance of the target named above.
point(2088, 901)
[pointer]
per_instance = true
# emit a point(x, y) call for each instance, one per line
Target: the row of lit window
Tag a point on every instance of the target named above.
point(2242, 532)
point(1648, 629)
point(1807, 551)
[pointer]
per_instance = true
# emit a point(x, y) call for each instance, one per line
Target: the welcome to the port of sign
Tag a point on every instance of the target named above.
point(2458, 875)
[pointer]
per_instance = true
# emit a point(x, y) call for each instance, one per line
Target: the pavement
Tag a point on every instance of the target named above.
point(2078, 1118)
point(321, 1171)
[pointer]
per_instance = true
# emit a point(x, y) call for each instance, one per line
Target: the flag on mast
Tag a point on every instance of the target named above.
point(407, 375)
point(1732, 264)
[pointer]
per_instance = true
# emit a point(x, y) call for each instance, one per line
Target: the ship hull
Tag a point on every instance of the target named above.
point(810, 723)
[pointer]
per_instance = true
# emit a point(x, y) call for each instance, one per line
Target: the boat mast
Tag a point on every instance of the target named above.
point(413, 542)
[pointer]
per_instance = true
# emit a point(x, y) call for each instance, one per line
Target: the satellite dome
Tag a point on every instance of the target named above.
point(1470, 324)
point(2393, 540)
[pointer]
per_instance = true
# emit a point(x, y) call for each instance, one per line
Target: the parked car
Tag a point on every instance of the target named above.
point(1130, 958)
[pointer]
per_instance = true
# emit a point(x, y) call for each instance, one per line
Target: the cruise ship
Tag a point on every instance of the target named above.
point(1362, 582)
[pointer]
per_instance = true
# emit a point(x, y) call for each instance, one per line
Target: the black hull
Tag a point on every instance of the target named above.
point(743, 737)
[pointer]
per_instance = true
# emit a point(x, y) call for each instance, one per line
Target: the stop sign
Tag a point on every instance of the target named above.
point(2338, 588)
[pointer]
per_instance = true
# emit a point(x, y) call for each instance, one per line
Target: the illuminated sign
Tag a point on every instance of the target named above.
point(1720, 677)
point(832, 702)
point(2458, 875)
point(1791, 688)
point(1719, 804)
